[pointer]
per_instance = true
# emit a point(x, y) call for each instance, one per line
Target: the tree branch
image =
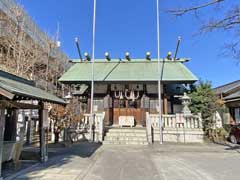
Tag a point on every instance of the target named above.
point(232, 49)
point(180, 12)
point(229, 21)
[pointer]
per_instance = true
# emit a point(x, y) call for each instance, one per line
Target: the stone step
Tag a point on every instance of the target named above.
point(126, 142)
point(128, 134)
point(123, 138)
point(131, 130)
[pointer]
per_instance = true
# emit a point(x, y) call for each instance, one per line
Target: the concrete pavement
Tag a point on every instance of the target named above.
point(167, 162)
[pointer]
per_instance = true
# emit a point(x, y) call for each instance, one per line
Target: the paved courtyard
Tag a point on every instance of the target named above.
point(167, 162)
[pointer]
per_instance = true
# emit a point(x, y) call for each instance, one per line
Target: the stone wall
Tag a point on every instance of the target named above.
point(179, 135)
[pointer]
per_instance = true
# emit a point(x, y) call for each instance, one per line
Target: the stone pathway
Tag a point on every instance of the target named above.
point(168, 162)
point(67, 163)
point(122, 162)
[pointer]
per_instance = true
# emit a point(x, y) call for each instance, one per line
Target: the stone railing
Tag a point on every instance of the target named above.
point(177, 121)
point(96, 126)
point(193, 122)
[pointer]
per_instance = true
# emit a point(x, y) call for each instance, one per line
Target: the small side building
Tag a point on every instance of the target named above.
point(230, 95)
point(16, 94)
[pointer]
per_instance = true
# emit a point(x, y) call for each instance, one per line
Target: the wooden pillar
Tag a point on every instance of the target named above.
point(42, 130)
point(2, 128)
point(172, 107)
point(11, 125)
point(165, 104)
point(108, 110)
point(29, 127)
point(29, 130)
point(88, 105)
point(145, 107)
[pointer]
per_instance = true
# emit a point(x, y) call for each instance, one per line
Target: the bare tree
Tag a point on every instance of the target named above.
point(27, 51)
point(229, 20)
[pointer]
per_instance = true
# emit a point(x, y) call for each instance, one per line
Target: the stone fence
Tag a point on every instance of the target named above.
point(94, 126)
point(175, 121)
point(175, 128)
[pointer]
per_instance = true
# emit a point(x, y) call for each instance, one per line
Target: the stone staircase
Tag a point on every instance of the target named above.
point(126, 136)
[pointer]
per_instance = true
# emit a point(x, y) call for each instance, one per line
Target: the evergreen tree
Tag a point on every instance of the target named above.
point(204, 101)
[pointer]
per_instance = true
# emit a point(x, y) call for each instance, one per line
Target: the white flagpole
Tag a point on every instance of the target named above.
point(159, 75)
point(92, 62)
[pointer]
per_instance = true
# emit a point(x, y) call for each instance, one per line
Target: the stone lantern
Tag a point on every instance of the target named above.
point(186, 100)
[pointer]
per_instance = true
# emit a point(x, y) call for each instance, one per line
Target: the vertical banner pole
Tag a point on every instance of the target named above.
point(159, 75)
point(93, 59)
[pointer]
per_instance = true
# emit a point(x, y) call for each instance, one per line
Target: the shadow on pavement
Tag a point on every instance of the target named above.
point(229, 146)
point(82, 149)
point(58, 156)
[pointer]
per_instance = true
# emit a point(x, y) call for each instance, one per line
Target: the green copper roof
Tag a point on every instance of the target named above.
point(25, 88)
point(134, 70)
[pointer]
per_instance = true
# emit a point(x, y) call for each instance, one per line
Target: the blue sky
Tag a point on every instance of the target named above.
point(131, 26)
